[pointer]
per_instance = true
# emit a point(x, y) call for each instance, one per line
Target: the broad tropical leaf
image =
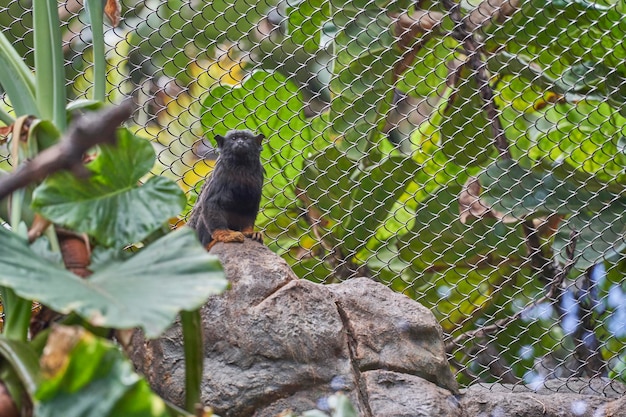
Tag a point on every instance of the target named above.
point(87, 376)
point(110, 205)
point(174, 273)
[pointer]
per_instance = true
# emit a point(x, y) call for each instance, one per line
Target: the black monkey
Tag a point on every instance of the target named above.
point(229, 201)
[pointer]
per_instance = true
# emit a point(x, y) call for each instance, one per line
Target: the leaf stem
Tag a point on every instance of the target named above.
point(192, 336)
point(96, 18)
point(5, 117)
point(49, 69)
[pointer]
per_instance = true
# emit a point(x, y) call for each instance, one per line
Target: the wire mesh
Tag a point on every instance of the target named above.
point(470, 155)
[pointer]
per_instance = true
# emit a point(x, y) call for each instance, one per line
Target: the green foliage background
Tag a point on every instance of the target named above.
point(366, 163)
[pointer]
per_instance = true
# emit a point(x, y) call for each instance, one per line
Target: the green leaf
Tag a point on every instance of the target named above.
point(17, 80)
point(174, 273)
point(616, 87)
point(457, 294)
point(465, 130)
point(582, 141)
point(95, 8)
point(45, 132)
point(582, 77)
point(511, 189)
point(23, 360)
point(359, 6)
point(84, 104)
point(439, 240)
point(110, 205)
point(600, 236)
point(306, 20)
point(363, 84)
point(87, 376)
point(596, 217)
point(518, 65)
point(609, 28)
point(429, 71)
point(328, 183)
point(376, 192)
point(49, 68)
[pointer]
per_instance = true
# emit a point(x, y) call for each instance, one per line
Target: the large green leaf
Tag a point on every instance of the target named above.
point(363, 84)
point(110, 205)
point(164, 28)
point(511, 189)
point(610, 28)
point(439, 240)
point(306, 20)
point(429, 71)
point(359, 6)
point(328, 183)
point(376, 192)
point(49, 65)
point(85, 376)
point(465, 129)
point(582, 138)
point(597, 218)
point(174, 273)
point(600, 236)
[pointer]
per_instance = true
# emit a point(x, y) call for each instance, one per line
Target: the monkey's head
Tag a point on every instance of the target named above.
point(240, 144)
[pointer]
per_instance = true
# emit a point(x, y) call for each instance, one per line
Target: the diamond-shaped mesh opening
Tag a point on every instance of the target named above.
point(471, 155)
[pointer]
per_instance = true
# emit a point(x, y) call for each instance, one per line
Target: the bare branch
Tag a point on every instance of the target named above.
point(86, 132)
point(551, 295)
point(490, 11)
point(413, 31)
point(463, 35)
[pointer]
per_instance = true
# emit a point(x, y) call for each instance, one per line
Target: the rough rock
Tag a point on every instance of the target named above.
point(486, 400)
point(274, 342)
point(403, 395)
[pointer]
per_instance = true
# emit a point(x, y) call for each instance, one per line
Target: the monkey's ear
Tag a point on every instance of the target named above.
point(220, 140)
point(259, 139)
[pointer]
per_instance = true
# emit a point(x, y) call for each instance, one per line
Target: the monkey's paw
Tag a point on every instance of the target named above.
point(256, 236)
point(227, 236)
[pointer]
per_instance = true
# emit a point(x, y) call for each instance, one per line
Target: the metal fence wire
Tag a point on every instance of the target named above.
point(470, 155)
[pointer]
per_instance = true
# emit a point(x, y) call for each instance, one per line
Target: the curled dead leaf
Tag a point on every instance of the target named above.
point(4, 133)
point(61, 342)
point(112, 11)
point(471, 206)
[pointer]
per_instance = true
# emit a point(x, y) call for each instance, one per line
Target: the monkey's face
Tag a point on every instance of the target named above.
point(240, 142)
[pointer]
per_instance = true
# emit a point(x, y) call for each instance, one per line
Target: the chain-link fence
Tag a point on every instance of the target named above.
point(470, 155)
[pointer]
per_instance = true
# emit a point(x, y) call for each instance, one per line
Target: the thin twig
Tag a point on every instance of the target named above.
point(86, 132)
point(587, 345)
point(539, 262)
point(463, 35)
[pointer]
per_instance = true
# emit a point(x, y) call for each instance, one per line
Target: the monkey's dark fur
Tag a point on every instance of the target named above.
point(229, 201)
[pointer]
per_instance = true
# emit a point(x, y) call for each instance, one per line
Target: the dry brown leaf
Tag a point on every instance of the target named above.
point(61, 341)
point(471, 206)
point(112, 11)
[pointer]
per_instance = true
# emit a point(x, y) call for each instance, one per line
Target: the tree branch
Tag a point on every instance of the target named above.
point(490, 11)
point(466, 37)
point(552, 294)
point(88, 131)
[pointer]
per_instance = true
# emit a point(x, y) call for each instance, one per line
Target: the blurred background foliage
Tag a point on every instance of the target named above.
point(379, 156)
